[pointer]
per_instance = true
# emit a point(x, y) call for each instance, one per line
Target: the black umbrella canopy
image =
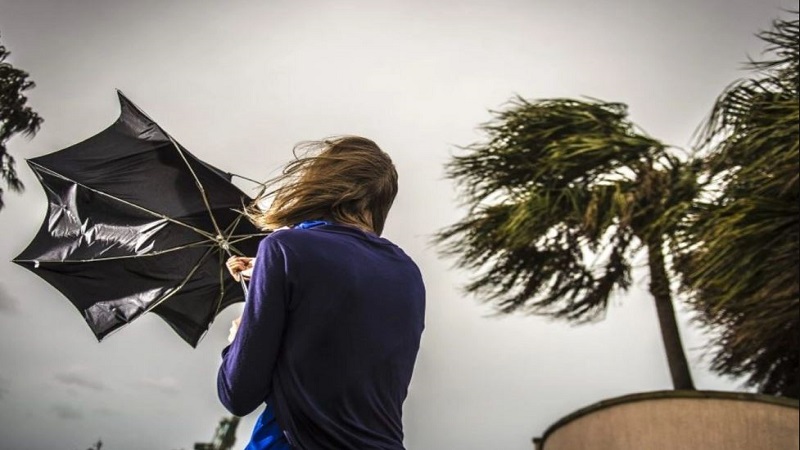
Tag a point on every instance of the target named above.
point(136, 223)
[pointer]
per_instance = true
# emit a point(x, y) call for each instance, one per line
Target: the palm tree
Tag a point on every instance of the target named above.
point(741, 254)
point(15, 117)
point(561, 197)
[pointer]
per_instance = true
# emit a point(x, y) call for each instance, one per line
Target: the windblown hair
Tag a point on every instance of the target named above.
point(345, 179)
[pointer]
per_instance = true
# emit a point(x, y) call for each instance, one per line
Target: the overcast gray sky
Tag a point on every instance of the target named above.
point(239, 83)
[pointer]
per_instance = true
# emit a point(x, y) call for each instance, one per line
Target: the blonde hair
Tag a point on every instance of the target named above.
point(345, 179)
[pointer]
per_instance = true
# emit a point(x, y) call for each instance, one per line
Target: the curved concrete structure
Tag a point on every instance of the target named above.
point(679, 420)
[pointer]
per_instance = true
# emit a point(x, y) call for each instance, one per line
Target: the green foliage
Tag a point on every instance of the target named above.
point(15, 117)
point(561, 195)
point(741, 251)
point(558, 195)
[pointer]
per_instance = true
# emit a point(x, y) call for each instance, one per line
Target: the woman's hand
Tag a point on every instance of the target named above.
point(234, 329)
point(238, 264)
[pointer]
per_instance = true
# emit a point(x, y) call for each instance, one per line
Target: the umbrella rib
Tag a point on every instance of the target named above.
point(260, 183)
point(232, 228)
point(183, 282)
point(229, 233)
point(112, 258)
point(243, 237)
point(234, 249)
point(235, 238)
point(196, 182)
point(161, 300)
point(221, 287)
point(161, 216)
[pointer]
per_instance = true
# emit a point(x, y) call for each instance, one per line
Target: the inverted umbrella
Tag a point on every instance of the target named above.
point(137, 224)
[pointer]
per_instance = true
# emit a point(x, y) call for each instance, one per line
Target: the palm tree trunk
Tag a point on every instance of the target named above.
point(659, 288)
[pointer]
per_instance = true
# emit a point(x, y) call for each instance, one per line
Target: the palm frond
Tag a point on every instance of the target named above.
point(553, 195)
point(740, 254)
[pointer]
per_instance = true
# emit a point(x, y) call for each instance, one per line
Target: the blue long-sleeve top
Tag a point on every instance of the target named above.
point(329, 335)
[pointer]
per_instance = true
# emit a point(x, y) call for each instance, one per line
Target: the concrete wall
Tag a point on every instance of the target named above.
point(680, 420)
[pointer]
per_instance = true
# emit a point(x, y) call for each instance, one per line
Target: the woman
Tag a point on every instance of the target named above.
point(332, 323)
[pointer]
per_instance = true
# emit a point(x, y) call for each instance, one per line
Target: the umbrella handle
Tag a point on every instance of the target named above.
point(244, 287)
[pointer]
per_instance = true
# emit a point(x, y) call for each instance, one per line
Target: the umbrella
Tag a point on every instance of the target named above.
point(137, 224)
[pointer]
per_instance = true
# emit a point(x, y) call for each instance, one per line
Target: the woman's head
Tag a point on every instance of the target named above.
point(346, 179)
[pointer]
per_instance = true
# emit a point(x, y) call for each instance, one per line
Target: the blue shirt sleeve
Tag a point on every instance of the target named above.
point(244, 380)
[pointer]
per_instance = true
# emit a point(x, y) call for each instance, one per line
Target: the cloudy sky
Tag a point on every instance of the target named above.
point(239, 82)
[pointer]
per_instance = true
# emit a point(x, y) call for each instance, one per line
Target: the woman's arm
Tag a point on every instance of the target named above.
point(244, 380)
